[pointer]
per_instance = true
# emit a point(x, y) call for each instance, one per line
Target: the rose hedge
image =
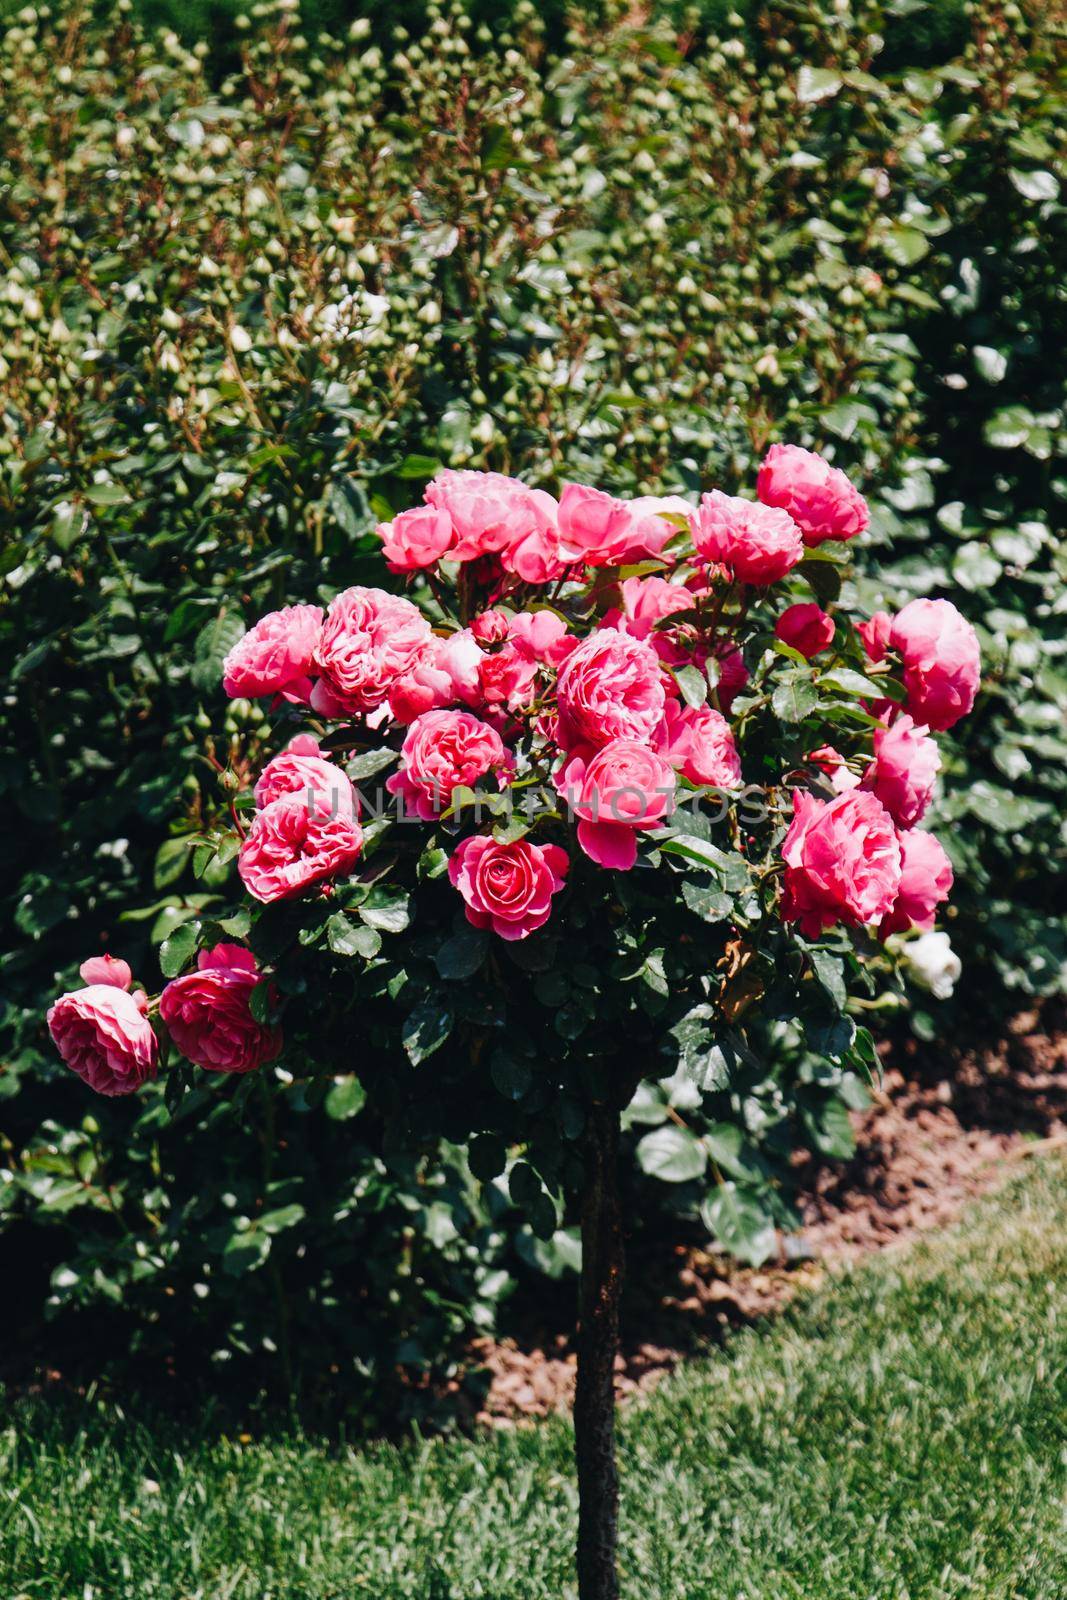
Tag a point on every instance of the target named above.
point(243, 323)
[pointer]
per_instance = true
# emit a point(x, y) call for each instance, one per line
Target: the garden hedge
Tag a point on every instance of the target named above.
point(637, 262)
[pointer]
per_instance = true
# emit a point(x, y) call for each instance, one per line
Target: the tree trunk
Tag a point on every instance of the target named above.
point(598, 1342)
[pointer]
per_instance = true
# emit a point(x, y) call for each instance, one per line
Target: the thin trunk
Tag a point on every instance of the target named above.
point(598, 1342)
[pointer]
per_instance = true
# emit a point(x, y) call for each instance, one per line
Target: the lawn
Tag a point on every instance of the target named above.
point(901, 1435)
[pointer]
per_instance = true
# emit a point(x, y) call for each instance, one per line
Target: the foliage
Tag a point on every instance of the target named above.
point(777, 1448)
point(525, 217)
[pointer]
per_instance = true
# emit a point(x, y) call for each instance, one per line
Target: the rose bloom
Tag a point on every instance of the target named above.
point(842, 862)
point(698, 743)
point(624, 788)
point(416, 538)
point(833, 764)
point(276, 656)
point(297, 841)
point(906, 763)
point(208, 1015)
point(925, 880)
point(939, 649)
point(295, 773)
point(645, 602)
point(541, 636)
point(609, 687)
point(489, 511)
point(601, 531)
point(491, 627)
point(507, 887)
point(370, 641)
point(816, 495)
point(442, 751)
point(534, 554)
point(107, 970)
point(806, 627)
point(507, 683)
point(875, 635)
point(756, 544)
point(103, 1035)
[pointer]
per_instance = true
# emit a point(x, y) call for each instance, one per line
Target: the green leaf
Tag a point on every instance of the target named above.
point(794, 699)
point(693, 685)
point(903, 245)
point(830, 1129)
point(213, 644)
point(370, 763)
point(740, 1223)
point(172, 858)
point(346, 1099)
point(817, 83)
point(463, 954)
point(273, 1222)
point(511, 1075)
point(853, 682)
point(346, 938)
point(1037, 185)
point(386, 910)
point(178, 949)
point(713, 904)
point(829, 969)
point(487, 1156)
point(416, 466)
point(672, 1154)
point(425, 1030)
point(823, 578)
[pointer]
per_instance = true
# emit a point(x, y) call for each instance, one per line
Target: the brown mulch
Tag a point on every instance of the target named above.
point(942, 1129)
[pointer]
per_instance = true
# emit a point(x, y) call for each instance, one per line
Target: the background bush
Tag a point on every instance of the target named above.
point(636, 262)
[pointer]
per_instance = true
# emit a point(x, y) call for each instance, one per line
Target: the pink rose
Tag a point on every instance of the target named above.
point(442, 751)
point(507, 682)
point(370, 641)
point(541, 636)
point(416, 538)
point(756, 544)
point(816, 495)
point(491, 627)
point(292, 773)
point(297, 841)
point(698, 743)
point(106, 970)
point(906, 762)
point(609, 687)
point(939, 649)
point(833, 764)
point(646, 602)
point(103, 1035)
point(624, 788)
point(842, 862)
point(875, 635)
point(733, 674)
point(276, 656)
point(925, 880)
point(601, 531)
point(805, 627)
point(534, 555)
point(490, 512)
point(208, 1015)
point(507, 887)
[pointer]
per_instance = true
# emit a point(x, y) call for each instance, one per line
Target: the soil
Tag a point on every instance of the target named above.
point(943, 1128)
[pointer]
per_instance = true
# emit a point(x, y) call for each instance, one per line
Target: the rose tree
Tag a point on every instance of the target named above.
point(615, 781)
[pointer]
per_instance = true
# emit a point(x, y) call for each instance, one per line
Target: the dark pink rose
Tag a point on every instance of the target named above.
point(370, 641)
point(291, 773)
point(106, 969)
point(805, 627)
point(733, 674)
point(609, 687)
point(816, 495)
point(600, 531)
point(698, 743)
point(507, 887)
point(942, 662)
point(103, 1035)
point(875, 635)
point(208, 1015)
point(842, 862)
point(416, 538)
point(623, 789)
point(925, 881)
point(754, 543)
point(491, 627)
point(442, 751)
point(276, 656)
point(906, 763)
point(507, 682)
point(297, 841)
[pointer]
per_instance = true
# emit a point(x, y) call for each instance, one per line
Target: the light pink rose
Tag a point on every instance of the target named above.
point(609, 687)
point(416, 538)
point(842, 862)
point(370, 641)
point(541, 636)
point(942, 662)
point(293, 773)
point(491, 513)
point(534, 555)
point(805, 627)
point(442, 751)
point(698, 743)
point(297, 841)
point(276, 656)
point(816, 495)
point(208, 1014)
point(623, 789)
point(646, 602)
point(875, 635)
point(597, 529)
point(507, 887)
point(103, 1035)
point(755, 544)
point(925, 881)
point(106, 970)
point(906, 762)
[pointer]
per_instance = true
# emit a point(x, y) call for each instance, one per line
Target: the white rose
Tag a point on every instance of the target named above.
point(933, 963)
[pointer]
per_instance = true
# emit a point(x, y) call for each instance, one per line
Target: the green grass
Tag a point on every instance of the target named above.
point(902, 1435)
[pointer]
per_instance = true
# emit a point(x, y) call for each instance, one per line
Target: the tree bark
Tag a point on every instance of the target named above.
point(598, 1343)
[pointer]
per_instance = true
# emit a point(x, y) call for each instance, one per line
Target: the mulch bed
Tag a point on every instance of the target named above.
point(943, 1128)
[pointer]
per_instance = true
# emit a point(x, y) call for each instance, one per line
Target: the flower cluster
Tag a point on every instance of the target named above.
point(527, 657)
